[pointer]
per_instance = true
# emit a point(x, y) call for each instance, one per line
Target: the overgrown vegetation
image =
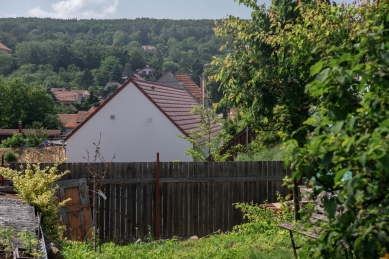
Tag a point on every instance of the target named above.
point(36, 187)
point(209, 140)
point(259, 238)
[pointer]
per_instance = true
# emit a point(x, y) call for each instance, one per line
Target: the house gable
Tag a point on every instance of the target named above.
point(132, 127)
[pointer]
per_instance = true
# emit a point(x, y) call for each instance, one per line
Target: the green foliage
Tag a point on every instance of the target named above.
point(207, 142)
point(266, 154)
point(16, 140)
point(350, 130)
point(10, 157)
point(6, 238)
point(36, 187)
point(36, 135)
point(23, 102)
point(30, 242)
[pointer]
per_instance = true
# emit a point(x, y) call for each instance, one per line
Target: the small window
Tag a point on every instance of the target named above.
point(150, 72)
point(143, 72)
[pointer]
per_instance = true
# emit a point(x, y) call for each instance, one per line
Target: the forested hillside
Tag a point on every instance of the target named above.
point(78, 54)
point(62, 53)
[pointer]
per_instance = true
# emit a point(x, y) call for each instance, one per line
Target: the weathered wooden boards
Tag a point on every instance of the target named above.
point(76, 215)
point(195, 198)
point(16, 214)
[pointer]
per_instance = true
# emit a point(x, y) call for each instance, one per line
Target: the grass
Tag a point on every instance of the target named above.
point(270, 154)
point(260, 238)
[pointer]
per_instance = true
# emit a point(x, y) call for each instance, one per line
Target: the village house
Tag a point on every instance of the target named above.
point(4, 49)
point(68, 97)
point(145, 72)
point(138, 120)
point(149, 48)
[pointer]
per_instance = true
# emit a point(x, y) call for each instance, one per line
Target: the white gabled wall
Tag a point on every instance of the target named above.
point(129, 136)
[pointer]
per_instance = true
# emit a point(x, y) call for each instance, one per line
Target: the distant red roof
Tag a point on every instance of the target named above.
point(72, 120)
point(191, 86)
point(174, 102)
point(69, 120)
point(2, 46)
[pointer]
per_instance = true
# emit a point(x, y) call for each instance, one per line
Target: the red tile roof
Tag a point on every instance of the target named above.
point(69, 120)
point(174, 102)
point(64, 95)
point(2, 46)
point(82, 115)
point(191, 86)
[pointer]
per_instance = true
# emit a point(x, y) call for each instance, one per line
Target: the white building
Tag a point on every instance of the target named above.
point(138, 120)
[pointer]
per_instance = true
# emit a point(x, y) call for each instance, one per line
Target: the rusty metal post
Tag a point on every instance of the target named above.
point(156, 197)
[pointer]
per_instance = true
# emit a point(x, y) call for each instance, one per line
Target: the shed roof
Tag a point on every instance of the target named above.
point(10, 132)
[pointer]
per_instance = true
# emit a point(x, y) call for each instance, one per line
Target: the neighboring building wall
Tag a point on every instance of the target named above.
point(170, 79)
point(129, 136)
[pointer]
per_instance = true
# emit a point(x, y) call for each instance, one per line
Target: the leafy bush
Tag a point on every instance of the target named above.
point(10, 157)
point(16, 140)
point(6, 236)
point(36, 135)
point(35, 186)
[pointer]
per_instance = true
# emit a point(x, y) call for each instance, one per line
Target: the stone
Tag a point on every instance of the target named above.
point(194, 237)
point(138, 241)
point(54, 253)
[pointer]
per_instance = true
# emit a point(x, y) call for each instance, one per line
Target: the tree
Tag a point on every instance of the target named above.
point(22, 102)
point(266, 74)
point(36, 134)
point(116, 74)
point(350, 134)
point(86, 79)
point(207, 141)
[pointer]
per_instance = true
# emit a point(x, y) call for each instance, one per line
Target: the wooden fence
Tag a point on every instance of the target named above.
point(194, 198)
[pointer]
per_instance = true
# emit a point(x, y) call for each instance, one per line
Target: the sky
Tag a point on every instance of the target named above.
point(130, 9)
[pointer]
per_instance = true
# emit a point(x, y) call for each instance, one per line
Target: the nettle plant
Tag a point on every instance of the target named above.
point(351, 135)
point(36, 186)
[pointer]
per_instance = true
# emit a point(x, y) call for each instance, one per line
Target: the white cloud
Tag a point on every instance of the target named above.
point(84, 9)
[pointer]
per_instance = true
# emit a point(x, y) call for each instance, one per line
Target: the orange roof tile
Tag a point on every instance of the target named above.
point(69, 120)
point(191, 86)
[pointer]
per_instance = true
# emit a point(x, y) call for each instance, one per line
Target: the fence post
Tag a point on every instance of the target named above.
point(156, 197)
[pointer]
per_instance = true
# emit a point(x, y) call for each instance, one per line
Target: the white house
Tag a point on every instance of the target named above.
point(138, 120)
point(145, 72)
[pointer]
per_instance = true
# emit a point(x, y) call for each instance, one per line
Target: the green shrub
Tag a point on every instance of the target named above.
point(16, 140)
point(10, 157)
point(36, 135)
point(35, 186)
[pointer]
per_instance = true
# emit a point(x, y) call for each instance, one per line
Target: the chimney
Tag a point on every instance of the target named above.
point(163, 72)
point(202, 90)
point(20, 126)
